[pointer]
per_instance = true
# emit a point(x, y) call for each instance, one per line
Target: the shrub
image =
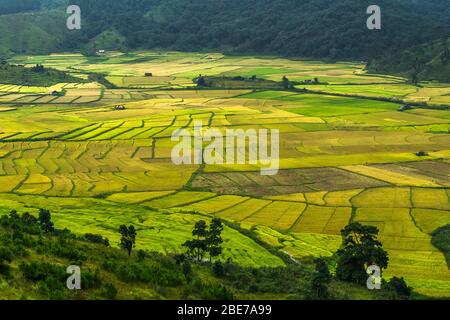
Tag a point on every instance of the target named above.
point(218, 269)
point(6, 254)
point(210, 291)
point(141, 255)
point(5, 269)
point(399, 287)
point(50, 279)
point(109, 292)
point(96, 238)
point(187, 270)
point(65, 250)
point(156, 274)
point(90, 280)
point(37, 271)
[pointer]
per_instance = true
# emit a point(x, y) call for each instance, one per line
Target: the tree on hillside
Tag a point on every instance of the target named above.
point(29, 219)
point(445, 56)
point(13, 215)
point(286, 83)
point(89, 51)
point(45, 220)
point(201, 81)
point(320, 280)
point(360, 249)
point(128, 239)
point(214, 238)
point(38, 68)
point(416, 69)
point(197, 247)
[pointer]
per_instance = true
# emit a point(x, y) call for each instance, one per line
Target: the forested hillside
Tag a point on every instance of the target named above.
point(430, 61)
point(324, 29)
point(311, 28)
point(8, 6)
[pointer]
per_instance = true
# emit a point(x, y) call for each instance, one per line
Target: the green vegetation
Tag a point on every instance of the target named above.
point(128, 239)
point(410, 45)
point(205, 240)
point(108, 273)
point(98, 157)
point(429, 61)
point(210, 26)
point(237, 82)
point(360, 249)
point(8, 7)
point(35, 76)
point(320, 280)
point(441, 240)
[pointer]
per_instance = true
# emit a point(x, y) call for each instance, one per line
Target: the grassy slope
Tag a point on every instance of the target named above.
point(33, 266)
point(32, 32)
point(11, 74)
point(158, 230)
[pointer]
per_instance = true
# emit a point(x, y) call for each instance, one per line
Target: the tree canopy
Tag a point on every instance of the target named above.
point(360, 249)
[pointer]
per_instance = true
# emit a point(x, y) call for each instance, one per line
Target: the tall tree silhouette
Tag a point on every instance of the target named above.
point(128, 239)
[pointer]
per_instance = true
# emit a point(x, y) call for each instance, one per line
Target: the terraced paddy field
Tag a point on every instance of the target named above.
point(342, 158)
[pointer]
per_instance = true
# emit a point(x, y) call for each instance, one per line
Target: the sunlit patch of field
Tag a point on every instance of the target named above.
point(341, 198)
point(216, 204)
point(153, 82)
point(88, 169)
point(369, 90)
point(330, 106)
point(384, 119)
point(178, 199)
point(391, 177)
point(386, 197)
point(300, 244)
point(431, 94)
point(436, 171)
point(22, 89)
point(348, 76)
point(430, 198)
point(278, 215)
point(6, 109)
point(324, 220)
point(137, 197)
point(243, 210)
point(183, 67)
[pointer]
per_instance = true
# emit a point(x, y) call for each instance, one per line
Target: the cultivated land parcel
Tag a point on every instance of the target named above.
point(347, 154)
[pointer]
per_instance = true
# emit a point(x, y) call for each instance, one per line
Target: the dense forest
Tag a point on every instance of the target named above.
point(8, 6)
point(311, 28)
point(322, 29)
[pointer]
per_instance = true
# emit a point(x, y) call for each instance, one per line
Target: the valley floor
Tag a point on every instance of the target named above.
point(342, 158)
